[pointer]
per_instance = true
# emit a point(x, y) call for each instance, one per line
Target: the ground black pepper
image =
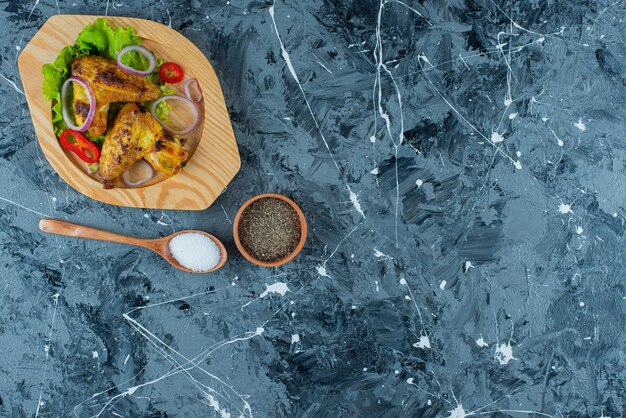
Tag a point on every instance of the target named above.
point(269, 229)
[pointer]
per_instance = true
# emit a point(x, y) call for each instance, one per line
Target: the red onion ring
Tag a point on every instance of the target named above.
point(131, 183)
point(143, 51)
point(92, 104)
point(189, 103)
point(197, 86)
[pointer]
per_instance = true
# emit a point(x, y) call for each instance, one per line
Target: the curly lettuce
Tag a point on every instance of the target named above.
point(97, 38)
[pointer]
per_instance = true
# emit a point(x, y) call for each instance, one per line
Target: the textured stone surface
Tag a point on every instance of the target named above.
point(462, 168)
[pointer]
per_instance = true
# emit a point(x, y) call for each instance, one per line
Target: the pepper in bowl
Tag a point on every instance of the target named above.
point(270, 230)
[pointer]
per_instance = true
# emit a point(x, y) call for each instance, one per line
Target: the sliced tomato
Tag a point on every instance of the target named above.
point(171, 72)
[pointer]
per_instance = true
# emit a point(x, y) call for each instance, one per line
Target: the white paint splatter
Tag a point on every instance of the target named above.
point(410, 380)
point(24, 207)
point(458, 412)
point(518, 165)
point(374, 171)
point(55, 299)
point(425, 59)
point(443, 284)
point(579, 229)
point(468, 265)
point(582, 304)
point(424, 342)
point(481, 342)
point(580, 125)
point(321, 271)
point(213, 403)
point(295, 338)
point(403, 281)
point(513, 115)
point(372, 139)
point(504, 353)
point(12, 84)
point(496, 137)
point(323, 66)
point(355, 201)
point(126, 359)
point(94, 354)
point(278, 287)
point(565, 208)
point(419, 182)
point(353, 197)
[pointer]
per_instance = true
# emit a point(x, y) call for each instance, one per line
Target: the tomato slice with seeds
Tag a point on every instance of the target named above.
point(171, 72)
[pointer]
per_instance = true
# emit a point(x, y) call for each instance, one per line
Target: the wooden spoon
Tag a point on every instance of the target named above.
point(160, 245)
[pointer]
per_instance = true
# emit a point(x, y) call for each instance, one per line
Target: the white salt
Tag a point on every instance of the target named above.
point(195, 251)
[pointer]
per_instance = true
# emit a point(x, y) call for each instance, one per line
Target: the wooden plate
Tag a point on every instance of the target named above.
point(211, 166)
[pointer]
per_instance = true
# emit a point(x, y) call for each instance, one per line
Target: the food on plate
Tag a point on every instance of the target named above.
point(134, 135)
point(111, 105)
point(171, 72)
point(77, 143)
point(109, 84)
point(168, 154)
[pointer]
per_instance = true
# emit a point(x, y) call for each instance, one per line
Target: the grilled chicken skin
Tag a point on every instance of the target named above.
point(133, 135)
point(167, 154)
point(109, 84)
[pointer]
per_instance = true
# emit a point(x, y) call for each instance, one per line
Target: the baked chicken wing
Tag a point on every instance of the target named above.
point(135, 134)
point(167, 155)
point(109, 84)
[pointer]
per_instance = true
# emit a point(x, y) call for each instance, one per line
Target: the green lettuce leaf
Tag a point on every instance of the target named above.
point(99, 37)
point(163, 109)
point(96, 39)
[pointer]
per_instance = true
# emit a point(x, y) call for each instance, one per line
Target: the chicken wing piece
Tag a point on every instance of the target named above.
point(133, 134)
point(109, 84)
point(167, 155)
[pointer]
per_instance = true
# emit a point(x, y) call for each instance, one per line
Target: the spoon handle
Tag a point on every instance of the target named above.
point(69, 229)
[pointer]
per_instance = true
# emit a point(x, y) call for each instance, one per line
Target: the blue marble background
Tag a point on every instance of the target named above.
point(462, 167)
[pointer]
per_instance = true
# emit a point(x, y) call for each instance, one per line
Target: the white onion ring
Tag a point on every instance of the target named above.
point(188, 93)
point(131, 183)
point(189, 103)
point(93, 168)
point(92, 104)
point(143, 51)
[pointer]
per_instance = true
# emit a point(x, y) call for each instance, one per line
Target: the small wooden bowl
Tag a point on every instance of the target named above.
point(303, 230)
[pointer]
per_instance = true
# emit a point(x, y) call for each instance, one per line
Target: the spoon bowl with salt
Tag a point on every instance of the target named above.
point(191, 251)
